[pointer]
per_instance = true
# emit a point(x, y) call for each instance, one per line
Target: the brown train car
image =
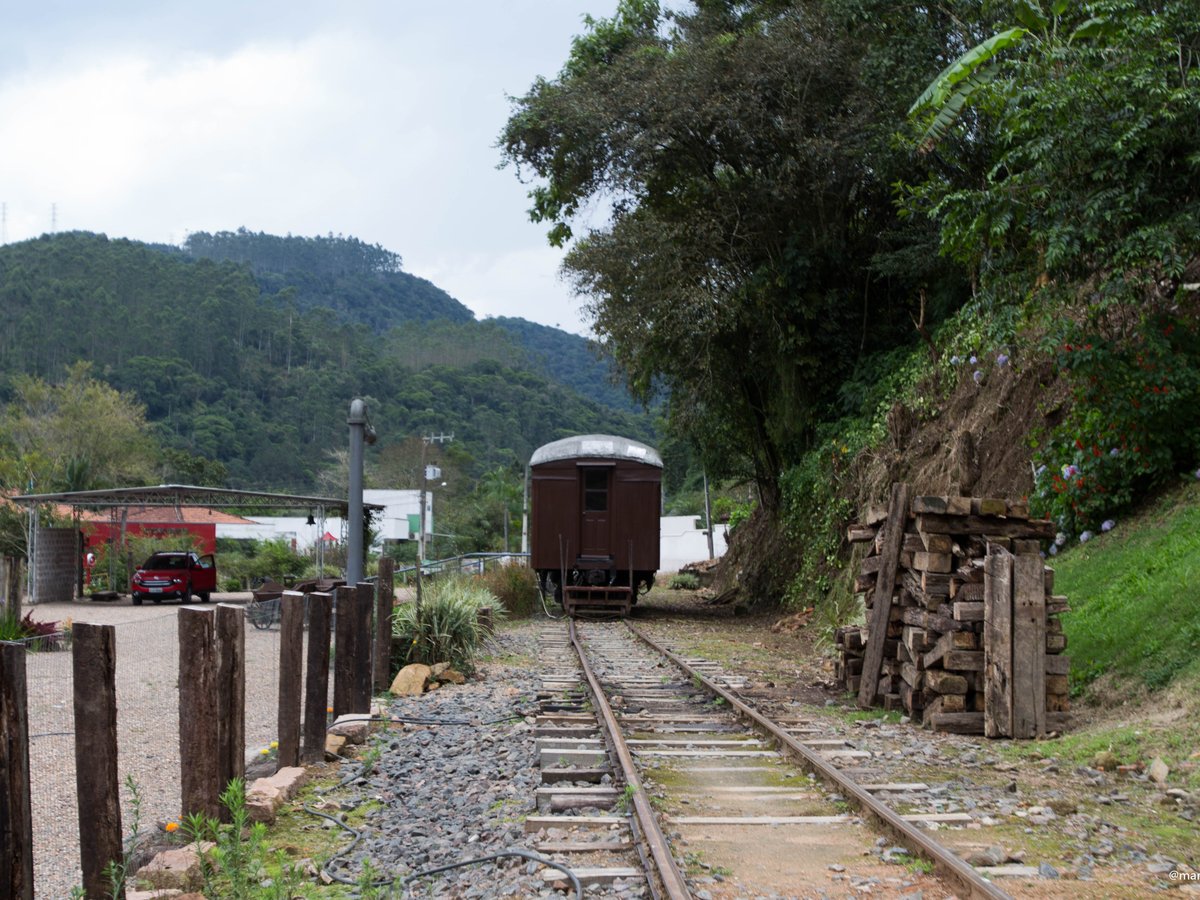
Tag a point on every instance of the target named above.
point(594, 524)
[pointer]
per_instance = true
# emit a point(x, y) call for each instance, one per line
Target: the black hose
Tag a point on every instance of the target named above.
point(412, 876)
point(511, 851)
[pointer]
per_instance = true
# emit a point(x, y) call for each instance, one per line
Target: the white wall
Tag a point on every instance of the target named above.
point(391, 523)
point(681, 541)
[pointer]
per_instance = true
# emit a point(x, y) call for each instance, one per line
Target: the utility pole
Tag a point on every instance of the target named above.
point(708, 517)
point(360, 431)
point(425, 476)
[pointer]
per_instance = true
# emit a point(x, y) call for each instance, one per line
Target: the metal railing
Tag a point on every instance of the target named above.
point(464, 564)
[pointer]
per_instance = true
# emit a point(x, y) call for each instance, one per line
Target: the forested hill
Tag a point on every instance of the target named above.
point(258, 382)
point(358, 281)
point(364, 284)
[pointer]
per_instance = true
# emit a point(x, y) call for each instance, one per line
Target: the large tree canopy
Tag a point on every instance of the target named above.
point(743, 154)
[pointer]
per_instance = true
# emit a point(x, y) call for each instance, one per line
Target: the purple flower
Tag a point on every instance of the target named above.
point(978, 376)
point(1085, 537)
point(1070, 471)
point(1054, 550)
point(1002, 360)
point(1198, 473)
point(954, 360)
point(1060, 539)
point(1108, 525)
point(974, 359)
point(1040, 471)
point(1114, 452)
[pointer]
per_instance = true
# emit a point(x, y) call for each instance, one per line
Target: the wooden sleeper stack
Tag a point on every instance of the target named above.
point(953, 637)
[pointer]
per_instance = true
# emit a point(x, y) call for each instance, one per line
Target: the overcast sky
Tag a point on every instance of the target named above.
point(371, 118)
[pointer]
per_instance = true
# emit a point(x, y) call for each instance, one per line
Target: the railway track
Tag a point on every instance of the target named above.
point(659, 780)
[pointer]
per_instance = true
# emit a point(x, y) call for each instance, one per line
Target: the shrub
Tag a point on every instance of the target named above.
point(447, 626)
point(1131, 427)
point(39, 635)
point(515, 586)
point(684, 581)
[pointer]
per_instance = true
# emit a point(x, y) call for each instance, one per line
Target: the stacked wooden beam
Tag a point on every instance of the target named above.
point(953, 637)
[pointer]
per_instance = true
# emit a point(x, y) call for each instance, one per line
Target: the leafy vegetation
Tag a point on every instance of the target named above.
point(1130, 428)
point(684, 581)
point(236, 868)
point(445, 627)
point(515, 587)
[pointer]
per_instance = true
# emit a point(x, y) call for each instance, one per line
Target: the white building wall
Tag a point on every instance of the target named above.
point(391, 524)
point(682, 541)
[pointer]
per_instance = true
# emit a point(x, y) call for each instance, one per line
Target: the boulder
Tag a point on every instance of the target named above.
point(410, 681)
point(453, 676)
point(334, 744)
point(177, 868)
point(266, 795)
point(436, 670)
point(1158, 771)
point(354, 727)
point(991, 856)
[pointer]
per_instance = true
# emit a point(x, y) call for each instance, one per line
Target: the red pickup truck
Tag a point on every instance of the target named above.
point(174, 573)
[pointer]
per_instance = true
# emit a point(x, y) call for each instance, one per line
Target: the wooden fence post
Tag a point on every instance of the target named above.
point(291, 653)
point(231, 694)
point(997, 642)
point(16, 812)
point(199, 738)
point(316, 687)
point(1029, 646)
point(97, 785)
point(384, 601)
point(345, 601)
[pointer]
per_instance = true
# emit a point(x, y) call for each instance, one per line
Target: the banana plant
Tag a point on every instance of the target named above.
point(941, 104)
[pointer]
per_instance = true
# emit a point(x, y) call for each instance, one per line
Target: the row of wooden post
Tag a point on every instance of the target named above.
point(212, 738)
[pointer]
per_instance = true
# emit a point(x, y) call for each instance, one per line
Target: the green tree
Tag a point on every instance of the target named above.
point(744, 151)
point(75, 435)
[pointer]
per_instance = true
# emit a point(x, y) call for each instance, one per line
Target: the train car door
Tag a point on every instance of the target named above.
point(595, 527)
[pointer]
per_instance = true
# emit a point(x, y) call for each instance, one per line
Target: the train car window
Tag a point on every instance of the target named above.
point(595, 490)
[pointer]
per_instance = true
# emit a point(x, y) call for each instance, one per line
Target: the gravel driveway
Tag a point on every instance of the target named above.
point(147, 723)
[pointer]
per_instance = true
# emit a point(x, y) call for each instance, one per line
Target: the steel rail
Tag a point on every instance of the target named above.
point(672, 879)
point(946, 863)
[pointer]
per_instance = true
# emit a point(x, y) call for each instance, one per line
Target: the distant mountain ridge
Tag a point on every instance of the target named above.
point(253, 368)
point(360, 282)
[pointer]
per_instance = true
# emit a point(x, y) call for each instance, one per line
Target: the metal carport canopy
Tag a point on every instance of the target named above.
point(176, 495)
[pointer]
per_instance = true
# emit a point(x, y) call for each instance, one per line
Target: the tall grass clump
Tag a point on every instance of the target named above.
point(446, 628)
point(515, 587)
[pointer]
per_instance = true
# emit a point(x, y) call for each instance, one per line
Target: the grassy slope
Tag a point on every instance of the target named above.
point(1133, 636)
point(1135, 596)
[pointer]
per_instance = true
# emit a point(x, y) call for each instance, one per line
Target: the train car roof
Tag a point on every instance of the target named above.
point(604, 446)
